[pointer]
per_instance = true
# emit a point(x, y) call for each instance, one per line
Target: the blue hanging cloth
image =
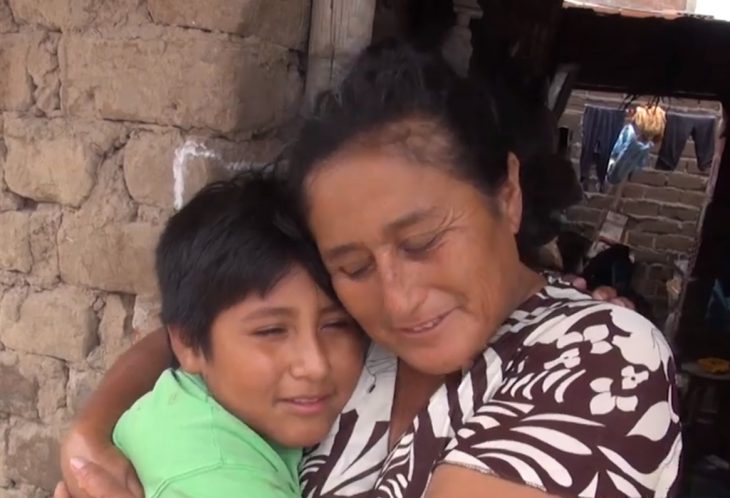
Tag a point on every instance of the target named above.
point(629, 154)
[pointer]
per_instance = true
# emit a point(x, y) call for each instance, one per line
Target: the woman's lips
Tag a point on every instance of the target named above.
point(425, 326)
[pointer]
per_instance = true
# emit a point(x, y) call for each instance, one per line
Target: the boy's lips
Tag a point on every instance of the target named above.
point(307, 405)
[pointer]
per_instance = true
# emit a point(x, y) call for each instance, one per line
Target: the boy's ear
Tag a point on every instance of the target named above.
point(190, 359)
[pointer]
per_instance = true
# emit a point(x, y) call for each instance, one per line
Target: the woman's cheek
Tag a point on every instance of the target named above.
point(357, 298)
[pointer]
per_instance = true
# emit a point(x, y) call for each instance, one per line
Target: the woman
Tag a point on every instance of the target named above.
point(484, 378)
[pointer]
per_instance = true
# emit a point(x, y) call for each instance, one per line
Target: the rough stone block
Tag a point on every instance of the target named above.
point(24, 491)
point(689, 229)
point(44, 71)
point(109, 202)
point(165, 170)
point(632, 207)
point(284, 22)
point(29, 67)
point(636, 239)
point(146, 318)
point(16, 85)
point(7, 23)
point(599, 201)
point(5, 481)
point(56, 160)
point(687, 182)
point(15, 242)
point(633, 191)
point(115, 331)
point(662, 194)
point(35, 455)
point(693, 169)
point(650, 177)
point(58, 323)
point(190, 79)
point(77, 14)
point(80, 386)
point(681, 213)
point(675, 243)
point(148, 162)
point(44, 225)
point(117, 257)
point(31, 385)
point(9, 201)
point(579, 214)
point(659, 226)
point(18, 390)
point(649, 256)
point(695, 199)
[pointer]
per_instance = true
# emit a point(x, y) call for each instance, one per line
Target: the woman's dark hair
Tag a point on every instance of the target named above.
point(393, 82)
point(234, 238)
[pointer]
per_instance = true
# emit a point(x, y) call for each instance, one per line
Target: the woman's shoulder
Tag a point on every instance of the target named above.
point(563, 321)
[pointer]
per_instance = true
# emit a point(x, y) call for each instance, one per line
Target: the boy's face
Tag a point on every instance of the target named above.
point(285, 363)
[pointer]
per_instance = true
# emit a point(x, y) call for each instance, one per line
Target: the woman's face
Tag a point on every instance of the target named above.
point(424, 261)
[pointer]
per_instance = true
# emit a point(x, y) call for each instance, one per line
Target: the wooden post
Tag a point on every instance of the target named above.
point(339, 31)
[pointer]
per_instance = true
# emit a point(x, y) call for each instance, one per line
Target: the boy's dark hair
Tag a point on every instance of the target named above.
point(233, 238)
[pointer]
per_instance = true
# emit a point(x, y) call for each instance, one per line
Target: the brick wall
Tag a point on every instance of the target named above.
point(110, 112)
point(655, 5)
point(664, 207)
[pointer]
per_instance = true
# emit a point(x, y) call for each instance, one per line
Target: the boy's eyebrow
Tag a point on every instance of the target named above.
point(270, 312)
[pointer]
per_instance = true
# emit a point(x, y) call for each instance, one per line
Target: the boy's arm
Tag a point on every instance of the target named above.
point(229, 481)
point(131, 376)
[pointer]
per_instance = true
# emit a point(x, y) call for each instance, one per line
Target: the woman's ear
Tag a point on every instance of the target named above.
point(510, 195)
point(191, 360)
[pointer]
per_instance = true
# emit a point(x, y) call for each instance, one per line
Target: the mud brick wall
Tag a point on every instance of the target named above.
point(111, 112)
point(664, 207)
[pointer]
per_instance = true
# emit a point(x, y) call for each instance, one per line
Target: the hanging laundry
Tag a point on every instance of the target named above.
point(679, 129)
point(632, 149)
point(629, 154)
point(601, 128)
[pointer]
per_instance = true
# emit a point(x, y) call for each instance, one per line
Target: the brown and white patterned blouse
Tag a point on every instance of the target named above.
point(573, 396)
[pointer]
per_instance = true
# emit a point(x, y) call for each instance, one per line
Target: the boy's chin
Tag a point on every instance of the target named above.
point(299, 436)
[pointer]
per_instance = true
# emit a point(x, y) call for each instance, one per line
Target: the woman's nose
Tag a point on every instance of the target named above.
point(309, 359)
point(401, 293)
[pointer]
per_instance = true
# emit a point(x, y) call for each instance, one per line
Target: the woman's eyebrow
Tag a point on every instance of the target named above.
point(339, 251)
point(410, 219)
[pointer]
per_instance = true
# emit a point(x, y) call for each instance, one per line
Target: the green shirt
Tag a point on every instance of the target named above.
point(183, 444)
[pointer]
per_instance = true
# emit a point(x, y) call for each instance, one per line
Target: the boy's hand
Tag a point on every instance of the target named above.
point(95, 482)
point(83, 447)
point(603, 293)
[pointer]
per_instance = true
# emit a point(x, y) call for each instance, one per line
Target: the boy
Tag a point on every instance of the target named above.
point(265, 356)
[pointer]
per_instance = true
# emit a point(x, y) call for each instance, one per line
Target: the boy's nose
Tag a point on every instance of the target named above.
point(309, 359)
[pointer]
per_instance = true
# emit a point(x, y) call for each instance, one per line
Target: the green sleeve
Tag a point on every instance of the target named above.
point(229, 481)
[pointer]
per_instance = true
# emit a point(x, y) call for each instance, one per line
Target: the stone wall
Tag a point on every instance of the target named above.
point(112, 112)
point(664, 207)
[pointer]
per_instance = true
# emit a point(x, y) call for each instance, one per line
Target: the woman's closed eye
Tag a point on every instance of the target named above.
point(356, 270)
point(419, 245)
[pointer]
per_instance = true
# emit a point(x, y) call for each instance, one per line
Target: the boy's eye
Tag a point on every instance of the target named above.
point(270, 332)
point(339, 324)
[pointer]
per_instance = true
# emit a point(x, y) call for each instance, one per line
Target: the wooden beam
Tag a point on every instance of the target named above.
point(653, 56)
point(339, 31)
